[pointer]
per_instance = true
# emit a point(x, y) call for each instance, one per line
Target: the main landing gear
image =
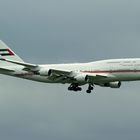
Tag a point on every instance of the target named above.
point(75, 87)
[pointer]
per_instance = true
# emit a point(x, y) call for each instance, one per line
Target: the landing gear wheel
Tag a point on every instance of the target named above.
point(79, 88)
point(91, 88)
point(88, 91)
point(74, 87)
point(70, 88)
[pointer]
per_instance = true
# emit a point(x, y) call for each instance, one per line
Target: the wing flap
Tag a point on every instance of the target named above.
point(59, 75)
point(96, 77)
point(60, 72)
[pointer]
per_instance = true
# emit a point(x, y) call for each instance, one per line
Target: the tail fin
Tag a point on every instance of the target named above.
point(7, 53)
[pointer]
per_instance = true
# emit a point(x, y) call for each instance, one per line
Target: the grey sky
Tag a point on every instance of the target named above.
point(58, 31)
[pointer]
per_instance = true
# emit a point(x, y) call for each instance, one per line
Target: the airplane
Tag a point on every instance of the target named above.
point(105, 73)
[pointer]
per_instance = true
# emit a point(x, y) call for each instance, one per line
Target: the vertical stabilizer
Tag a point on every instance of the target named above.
point(7, 53)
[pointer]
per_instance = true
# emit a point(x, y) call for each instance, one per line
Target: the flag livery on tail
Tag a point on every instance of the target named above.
point(6, 52)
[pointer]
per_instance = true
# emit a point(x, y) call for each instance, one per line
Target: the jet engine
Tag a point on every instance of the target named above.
point(81, 78)
point(45, 72)
point(116, 84)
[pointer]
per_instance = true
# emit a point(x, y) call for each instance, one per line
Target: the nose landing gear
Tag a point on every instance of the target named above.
point(90, 88)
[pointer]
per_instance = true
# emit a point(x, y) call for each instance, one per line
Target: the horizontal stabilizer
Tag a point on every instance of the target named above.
point(26, 65)
point(6, 70)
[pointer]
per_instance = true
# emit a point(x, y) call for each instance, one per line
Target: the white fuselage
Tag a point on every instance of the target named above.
point(119, 69)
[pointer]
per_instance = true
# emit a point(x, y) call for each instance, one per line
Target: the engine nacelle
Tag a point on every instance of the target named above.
point(116, 84)
point(81, 78)
point(45, 72)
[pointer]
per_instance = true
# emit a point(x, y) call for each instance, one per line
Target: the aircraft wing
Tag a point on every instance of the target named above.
point(57, 75)
point(71, 75)
point(74, 73)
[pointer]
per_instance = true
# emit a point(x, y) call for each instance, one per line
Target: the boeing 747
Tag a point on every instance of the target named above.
point(106, 73)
